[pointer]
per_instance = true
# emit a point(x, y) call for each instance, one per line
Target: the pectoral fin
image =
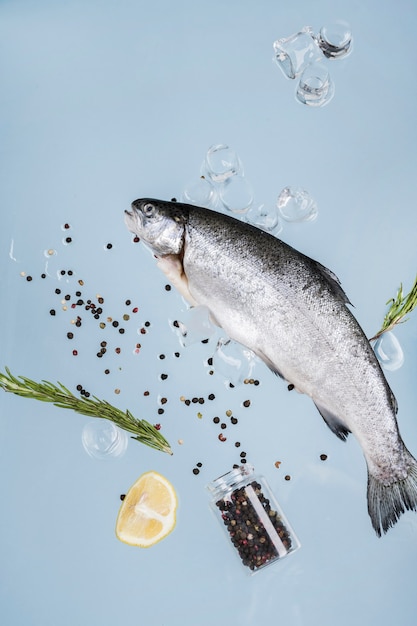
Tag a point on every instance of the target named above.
point(173, 269)
point(334, 423)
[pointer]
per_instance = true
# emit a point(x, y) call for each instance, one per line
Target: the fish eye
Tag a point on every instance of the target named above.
point(148, 209)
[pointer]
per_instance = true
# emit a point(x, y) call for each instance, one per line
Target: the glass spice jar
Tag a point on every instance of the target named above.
point(255, 523)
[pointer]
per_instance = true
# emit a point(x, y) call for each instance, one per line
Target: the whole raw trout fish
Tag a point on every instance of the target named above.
point(291, 311)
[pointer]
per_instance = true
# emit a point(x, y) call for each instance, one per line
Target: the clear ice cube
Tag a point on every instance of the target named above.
point(194, 326)
point(335, 40)
point(296, 205)
point(200, 192)
point(236, 194)
point(315, 87)
point(388, 351)
point(233, 361)
point(221, 163)
point(264, 217)
point(293, 54)
point(103, 440)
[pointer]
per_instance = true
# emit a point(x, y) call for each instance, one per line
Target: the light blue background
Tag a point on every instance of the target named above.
point(105, 101)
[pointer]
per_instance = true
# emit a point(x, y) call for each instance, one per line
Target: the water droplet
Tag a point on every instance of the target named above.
point(315, 87)
point(222, 163)
point(233, 360)
point(388, 351)
point(296, 205)
point(103, 440)
point(335, 40)
point(265, 218)
point(293, 54)
point(195, 326)
point(200, 192)
point(236, 194)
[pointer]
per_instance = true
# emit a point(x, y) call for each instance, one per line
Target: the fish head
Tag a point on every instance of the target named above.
point(160, 225)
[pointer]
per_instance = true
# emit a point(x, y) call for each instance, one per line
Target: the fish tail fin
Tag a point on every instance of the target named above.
point(387, 502)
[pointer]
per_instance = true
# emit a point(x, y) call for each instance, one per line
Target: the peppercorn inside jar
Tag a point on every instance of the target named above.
point(255, 523)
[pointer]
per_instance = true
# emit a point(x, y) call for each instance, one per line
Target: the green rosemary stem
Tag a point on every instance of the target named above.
point(400, 306)
point(61, 397)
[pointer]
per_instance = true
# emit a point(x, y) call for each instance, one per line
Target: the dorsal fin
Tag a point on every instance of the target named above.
point(333, 281)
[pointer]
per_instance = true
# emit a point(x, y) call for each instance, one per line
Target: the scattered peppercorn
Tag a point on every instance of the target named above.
point(29, 278)
point(122, 496)
point(211, 396)
point(167, 287)
point(68, 240)
point(323, 457)
point(287, 477)
point(196, 471)
point(109, 246)
point(52, 312)
point(246, 403)
point(216, 420)
point(290, 387)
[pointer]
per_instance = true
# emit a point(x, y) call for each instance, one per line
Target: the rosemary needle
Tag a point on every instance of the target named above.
point(60, 396)
point(400, 306)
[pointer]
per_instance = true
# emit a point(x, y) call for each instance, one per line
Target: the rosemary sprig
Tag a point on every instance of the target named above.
point(400, 307)
point(92, 407)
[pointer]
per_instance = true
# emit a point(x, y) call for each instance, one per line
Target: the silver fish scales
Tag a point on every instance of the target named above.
point(293, 313)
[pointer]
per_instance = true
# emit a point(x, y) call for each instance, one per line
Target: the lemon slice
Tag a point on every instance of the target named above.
point(148, 511)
